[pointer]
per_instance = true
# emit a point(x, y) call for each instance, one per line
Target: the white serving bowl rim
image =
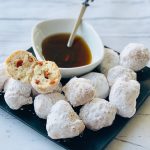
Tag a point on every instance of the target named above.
point(86, 24)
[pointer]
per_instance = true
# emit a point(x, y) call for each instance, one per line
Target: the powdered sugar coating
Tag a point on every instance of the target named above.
point(97, 114)
point(134, 56)
point(3, 76)
point(100, 83)
point(17, 93)
point(120, 72)
point(123, 96)
point(63, 122)
point(15, 101)
point(111, 59)
point(18, 87)
point(44, 102)
point(79, 91)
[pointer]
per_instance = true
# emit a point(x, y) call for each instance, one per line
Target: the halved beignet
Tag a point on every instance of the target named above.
point(20, 64)
point(46, 77)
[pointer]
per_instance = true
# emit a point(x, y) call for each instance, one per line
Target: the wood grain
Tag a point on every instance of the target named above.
point(118, 22)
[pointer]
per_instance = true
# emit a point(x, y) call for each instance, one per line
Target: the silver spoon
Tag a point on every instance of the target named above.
point(82, 11)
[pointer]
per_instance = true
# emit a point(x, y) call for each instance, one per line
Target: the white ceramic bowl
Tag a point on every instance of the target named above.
point(86, 31)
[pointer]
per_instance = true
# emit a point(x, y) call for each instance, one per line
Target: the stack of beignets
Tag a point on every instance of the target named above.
point(56, 103)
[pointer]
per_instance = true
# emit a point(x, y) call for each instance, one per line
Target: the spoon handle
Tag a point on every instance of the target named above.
point(73, 34)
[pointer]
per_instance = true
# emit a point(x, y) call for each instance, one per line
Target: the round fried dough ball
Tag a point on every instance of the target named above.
point(134, 56)
point(63, 122)
point(17, 93)
point(100, 83)
point(123, 96)
point(111, 59)
point(79, 91)
point(16, 101)
point(15, 86)
point(118, 72)
point(44, 102)
point(97, 114)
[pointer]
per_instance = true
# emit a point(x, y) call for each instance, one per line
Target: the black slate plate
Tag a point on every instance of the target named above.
point(89, 140)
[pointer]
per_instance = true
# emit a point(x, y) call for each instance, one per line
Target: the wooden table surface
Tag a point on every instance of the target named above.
point(118, 22)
